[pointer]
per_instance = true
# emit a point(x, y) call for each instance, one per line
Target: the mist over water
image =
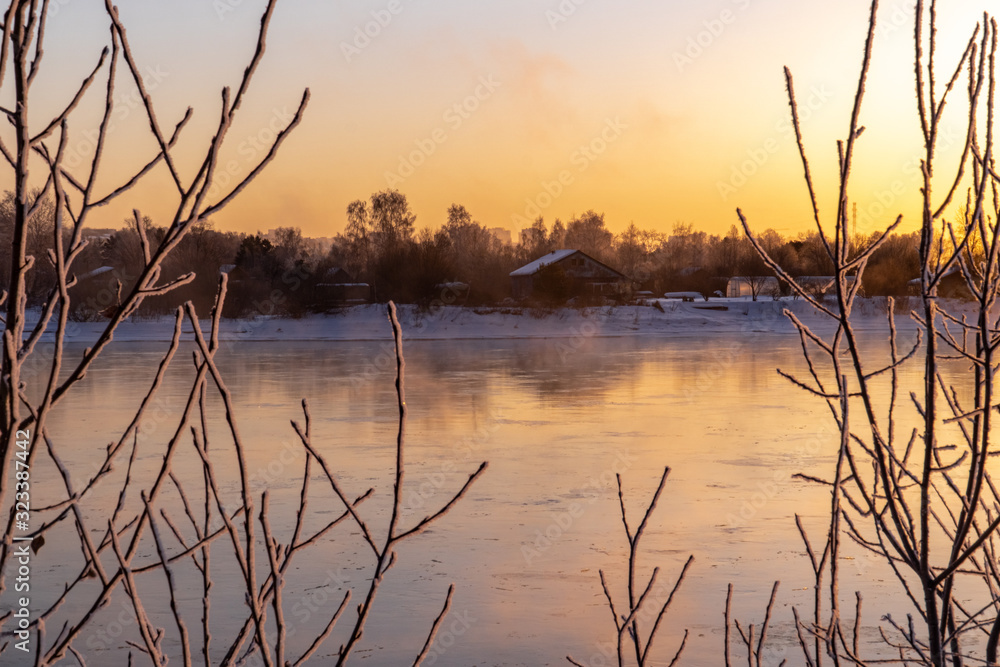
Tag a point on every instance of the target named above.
point(556, 420)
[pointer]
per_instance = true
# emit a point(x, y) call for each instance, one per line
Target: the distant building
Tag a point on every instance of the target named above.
point(951, 286)
point(740, 286)
point(822, 284)
point(567, 273)
point(501, 234)
point(338, 287)
point(93, 274)
point(336, 276)
point(323, 243)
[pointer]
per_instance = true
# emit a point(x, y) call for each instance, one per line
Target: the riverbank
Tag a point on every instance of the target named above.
point(368, 322)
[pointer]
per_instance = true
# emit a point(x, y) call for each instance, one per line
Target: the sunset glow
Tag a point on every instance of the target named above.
point(654, 113)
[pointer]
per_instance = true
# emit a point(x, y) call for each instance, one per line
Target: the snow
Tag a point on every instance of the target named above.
point(659, 317)
point(534, 267)
point(95, 272)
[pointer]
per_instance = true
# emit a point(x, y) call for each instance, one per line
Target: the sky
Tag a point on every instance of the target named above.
point(653, 112)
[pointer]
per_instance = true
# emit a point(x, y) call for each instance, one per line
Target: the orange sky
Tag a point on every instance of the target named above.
point(651, 112)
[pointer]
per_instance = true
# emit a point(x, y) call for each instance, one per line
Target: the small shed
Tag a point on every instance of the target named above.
point(818, 285)
point(338, 286)
point(566, 274)
point(951, 286)
point(740, 286)
point(683, 296)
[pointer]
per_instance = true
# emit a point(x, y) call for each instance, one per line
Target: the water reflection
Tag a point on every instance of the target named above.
point(556, 419)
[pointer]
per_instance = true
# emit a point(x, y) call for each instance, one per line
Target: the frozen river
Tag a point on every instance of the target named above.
point(556, 419)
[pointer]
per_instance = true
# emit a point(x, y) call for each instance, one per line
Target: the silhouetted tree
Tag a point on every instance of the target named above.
point(557, 237)
point(588, 233)
point(535, 241)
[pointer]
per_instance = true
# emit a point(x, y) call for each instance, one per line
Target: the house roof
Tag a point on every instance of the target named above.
point(95, 272)
point(331, 275)
point(534, 267)
point(557, 256)
point(950, 273)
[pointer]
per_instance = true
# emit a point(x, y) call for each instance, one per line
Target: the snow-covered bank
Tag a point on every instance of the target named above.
point(452, 322)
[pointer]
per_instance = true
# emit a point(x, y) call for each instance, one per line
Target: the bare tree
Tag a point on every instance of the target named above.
point(911, 483)
point(182, 521)
point(645, 605)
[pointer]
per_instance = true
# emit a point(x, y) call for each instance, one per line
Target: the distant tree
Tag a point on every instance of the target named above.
point(534, 240)
point(557, 238)
point(289, 242)
point(630, 250)
point(727, 253)
point(968, 237)
point(383, 224)
point(358, 236)
point(203, 247)
point(680, 260)
point(752, 269)
point(391, 218)
point(379, 236)
point(38, 238)
point(477, 256)
point(458, 216)
point(253, 253)
point(588, 233)
point(635, 255)
point(123, 249)
point(430, 266)
point(892, 265)
point(813, 256)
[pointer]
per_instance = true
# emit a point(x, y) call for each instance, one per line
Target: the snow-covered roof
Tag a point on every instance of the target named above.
point(947, 274)
point(95, 272)
point(331, 274)
point(532, 268)
point(819, 279)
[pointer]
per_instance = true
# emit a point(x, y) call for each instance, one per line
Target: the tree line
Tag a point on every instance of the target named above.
point(461, 261)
